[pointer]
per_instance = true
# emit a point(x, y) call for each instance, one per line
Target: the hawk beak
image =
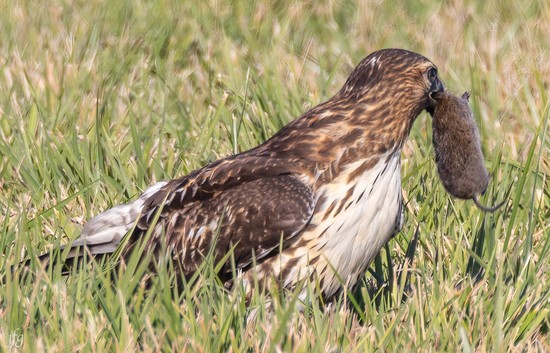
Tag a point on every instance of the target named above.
point(436, 87)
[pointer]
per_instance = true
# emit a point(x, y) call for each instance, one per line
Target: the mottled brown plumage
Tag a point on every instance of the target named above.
point(317, 200)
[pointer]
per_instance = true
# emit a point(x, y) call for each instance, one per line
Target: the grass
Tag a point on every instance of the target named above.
point(98, 100)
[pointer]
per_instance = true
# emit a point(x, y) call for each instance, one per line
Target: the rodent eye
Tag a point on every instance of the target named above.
point(432, 73)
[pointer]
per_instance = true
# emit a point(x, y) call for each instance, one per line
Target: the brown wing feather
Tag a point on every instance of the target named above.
point(252, 217)
point(221, 175)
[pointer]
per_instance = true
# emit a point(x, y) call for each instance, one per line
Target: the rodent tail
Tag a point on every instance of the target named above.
point(485, 208)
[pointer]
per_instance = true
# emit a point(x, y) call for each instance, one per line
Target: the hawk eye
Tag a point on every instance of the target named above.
point(432, 73)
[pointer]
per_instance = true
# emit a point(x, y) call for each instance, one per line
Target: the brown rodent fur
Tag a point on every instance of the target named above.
point(457, 148)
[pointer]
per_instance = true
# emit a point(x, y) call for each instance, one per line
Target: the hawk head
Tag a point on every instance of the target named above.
point(387, 91)
point(371, 115)
point(393, 75)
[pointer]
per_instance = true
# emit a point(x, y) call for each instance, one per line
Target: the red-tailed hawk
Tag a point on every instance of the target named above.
point(318, 199)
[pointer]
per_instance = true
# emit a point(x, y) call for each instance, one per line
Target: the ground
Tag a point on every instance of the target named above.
point(98, 100)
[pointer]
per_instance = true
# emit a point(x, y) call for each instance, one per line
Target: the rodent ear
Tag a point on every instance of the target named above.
point(466, 95)
point(437, 95)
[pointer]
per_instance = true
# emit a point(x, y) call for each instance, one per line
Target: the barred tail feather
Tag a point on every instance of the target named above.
point(103, 233)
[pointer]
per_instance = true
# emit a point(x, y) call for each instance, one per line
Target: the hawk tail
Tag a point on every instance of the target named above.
point(102, 234)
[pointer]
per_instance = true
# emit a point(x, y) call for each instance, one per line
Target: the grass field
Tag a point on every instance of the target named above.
point(98, 100)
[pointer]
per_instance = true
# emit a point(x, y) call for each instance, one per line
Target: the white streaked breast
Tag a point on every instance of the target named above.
point(351, 239)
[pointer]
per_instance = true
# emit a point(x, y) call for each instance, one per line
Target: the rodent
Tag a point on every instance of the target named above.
point(457, 148)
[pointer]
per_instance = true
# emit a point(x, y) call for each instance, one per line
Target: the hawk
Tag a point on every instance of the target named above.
point(319, 199)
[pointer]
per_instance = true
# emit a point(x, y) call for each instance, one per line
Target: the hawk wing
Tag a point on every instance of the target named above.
point(251, 218)
point(246, 203)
